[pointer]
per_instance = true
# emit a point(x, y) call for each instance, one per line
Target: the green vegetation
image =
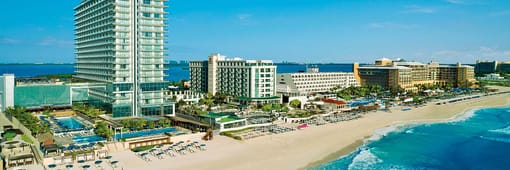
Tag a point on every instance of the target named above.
point(359, 91)
point(207, 100)
point(295, 103)
point(228, 119)
point(57, 76)
point(100, 144)
point(300, 115)
point(285, 109)
point(231, 133)
point(103, 130)
point(494, 83)
point(271, 107)
point(9, 136)
point(142, 148)
point(139, 124)
point(31, 122)
point(27, 139)
point(88, 110)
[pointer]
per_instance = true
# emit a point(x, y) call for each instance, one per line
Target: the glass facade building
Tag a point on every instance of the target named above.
point(120, 43)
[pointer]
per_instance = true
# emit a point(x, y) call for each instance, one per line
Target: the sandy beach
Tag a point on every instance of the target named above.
point(308, 147)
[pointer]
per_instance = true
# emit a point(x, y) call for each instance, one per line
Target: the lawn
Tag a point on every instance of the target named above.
point(9, 136)
point(142, 148)
point(27, 139)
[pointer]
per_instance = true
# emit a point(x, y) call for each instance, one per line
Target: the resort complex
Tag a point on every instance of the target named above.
point(411, 76)
point(122, 106)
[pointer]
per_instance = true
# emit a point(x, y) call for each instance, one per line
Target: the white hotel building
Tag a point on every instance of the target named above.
point(312, 81)
point(250, 81)
point(120, 43)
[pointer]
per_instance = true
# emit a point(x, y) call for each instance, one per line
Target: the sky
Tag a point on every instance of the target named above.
point(306, 31)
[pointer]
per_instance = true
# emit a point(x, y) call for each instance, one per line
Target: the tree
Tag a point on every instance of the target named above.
point(295, 103)
point(285, 109)
point(103, 130)
point(151, 124)
point(267, 107)
point(277, 107)
point(165, 122)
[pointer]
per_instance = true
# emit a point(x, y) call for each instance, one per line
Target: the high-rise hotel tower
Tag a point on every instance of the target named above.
point(120, 44)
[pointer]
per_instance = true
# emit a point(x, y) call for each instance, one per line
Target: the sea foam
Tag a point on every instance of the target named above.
point(365, 159)
point(464, 116)
point(504, 140)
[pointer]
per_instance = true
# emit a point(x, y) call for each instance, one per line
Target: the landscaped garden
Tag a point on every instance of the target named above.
point(31, 122)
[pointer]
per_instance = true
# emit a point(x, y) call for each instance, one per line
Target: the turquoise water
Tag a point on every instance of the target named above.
point(144, 133)
point(69, 123)
point(87, 139)
point(478, 140)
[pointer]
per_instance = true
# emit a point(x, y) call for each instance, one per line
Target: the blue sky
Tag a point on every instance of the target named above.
point(344, 31)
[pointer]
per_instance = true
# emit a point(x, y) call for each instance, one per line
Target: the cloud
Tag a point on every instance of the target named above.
point(455, 1)
point(52, 41)
point(7, 40)
point(245, 19)
point(493, 52)
point(244, 16)
point(419, 9)
point(390, 25)
point(474, 54)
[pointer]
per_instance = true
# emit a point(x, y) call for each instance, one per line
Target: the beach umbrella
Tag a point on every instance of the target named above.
point(81, 161)
point(98, 162)
point(86, 166)
point(114, 162)
point(108, 157)
point(69, 166)
point(52, 166)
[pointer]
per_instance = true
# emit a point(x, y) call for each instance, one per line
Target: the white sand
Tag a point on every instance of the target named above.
point(298, 149)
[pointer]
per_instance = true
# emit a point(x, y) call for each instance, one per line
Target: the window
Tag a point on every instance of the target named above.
point(147, 34)
point(146, 1)
point(158, 34)
point(156, 15)
point(145, 14)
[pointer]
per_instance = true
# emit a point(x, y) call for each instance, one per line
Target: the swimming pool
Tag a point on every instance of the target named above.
point(87, 139)
point(144, 133)
point(69, 123)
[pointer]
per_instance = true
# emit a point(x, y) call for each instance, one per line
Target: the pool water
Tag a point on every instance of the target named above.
point(88, 139)
point(69, 123)
point(143, 133)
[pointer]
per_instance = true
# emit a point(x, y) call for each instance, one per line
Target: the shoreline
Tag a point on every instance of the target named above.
point(398, 124)
point(312, 146)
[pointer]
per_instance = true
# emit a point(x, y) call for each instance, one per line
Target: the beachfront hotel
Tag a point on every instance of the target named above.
point(120, 43)
point(484, 66)
point(250, 81)
point(406, 76)
point(299, 85)
point(6, 91)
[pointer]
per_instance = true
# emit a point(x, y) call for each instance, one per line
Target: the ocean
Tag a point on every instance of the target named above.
point(480, 139)
point(174, 72)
